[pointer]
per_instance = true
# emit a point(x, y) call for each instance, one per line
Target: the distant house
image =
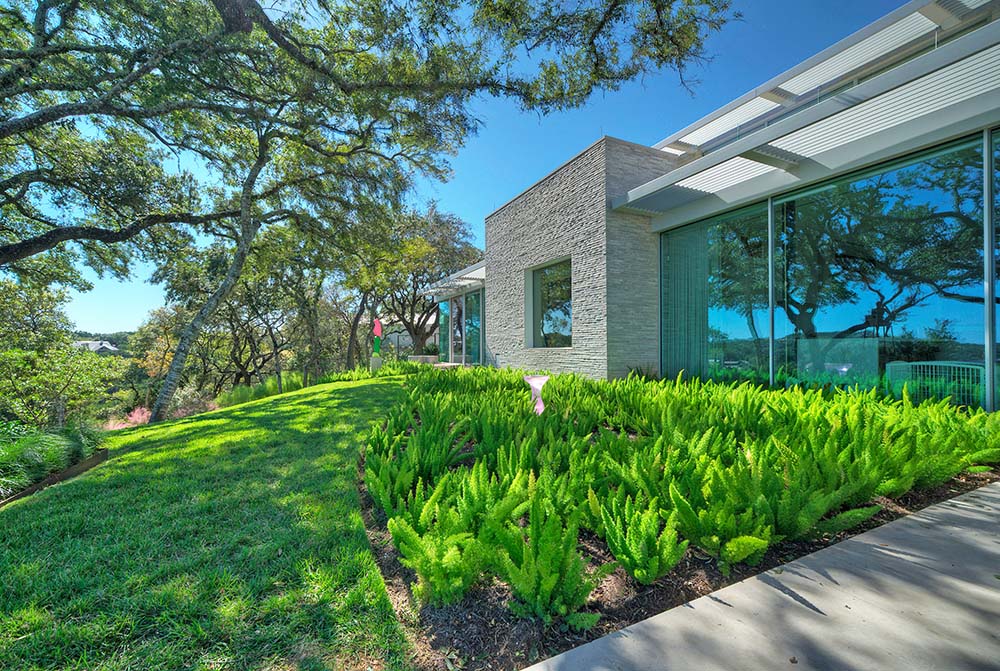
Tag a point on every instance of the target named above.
point(99, 346)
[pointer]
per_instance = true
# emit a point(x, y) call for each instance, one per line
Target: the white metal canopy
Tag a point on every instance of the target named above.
point(931, 65)
point(465, 280)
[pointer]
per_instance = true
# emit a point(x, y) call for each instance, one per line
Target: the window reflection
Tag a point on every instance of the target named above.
point(444, 331)
point(457, 330)
point(553, 305)
point(473, 330)
point(879, 279)
point(996, 252)
point(878, 282)
point(715, 301)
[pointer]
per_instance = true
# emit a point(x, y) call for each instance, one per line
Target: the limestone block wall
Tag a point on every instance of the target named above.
point(562, 216)
point(615, 264)
point(633, 262)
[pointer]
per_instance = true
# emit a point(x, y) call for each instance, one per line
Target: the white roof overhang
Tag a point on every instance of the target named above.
point(456, 284)
point(940, 94)
point(917, 26)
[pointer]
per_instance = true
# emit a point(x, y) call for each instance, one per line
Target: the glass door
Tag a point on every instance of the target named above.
point(473, 327)
point(458, 329)
point(444, 331)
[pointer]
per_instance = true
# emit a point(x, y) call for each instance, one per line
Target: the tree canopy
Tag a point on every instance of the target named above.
point(96, 96)
point(138, 129)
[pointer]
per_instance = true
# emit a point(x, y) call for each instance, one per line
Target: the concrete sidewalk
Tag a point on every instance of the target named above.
point(922, 592)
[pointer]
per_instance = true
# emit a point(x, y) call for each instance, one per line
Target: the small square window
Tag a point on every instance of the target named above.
point(552, 305)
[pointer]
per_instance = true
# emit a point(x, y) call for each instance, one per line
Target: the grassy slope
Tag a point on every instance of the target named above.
point(232, 540)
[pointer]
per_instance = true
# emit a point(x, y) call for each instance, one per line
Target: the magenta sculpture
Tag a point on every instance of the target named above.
point(377, 330)
point(536, 382)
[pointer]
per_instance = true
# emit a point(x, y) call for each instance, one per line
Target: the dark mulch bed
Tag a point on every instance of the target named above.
point(480, 633)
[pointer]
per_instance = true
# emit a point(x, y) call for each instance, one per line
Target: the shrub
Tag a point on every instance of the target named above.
point(447, 562)
point(136, 417)
point(388, 369)
point(60, 385)
point(639, 537)
point(293, 381)
point(241, 393)
point(13, 430)
point(649, 466)
point(188, 400)
point(541, 563)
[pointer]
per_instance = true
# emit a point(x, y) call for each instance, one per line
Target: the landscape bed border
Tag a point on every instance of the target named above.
point(80, 467)
point(478, 631)
point(433, 631)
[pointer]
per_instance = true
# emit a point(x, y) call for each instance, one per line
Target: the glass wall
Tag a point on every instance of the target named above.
point(715, 299)
point(879, 278)
point(473, 327)
point(444, 331)
point(460, 332)
point(552, 304)
point(457, 329)
point(996, 268)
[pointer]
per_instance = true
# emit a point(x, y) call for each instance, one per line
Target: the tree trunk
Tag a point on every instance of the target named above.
point(193, 329)
point(276, 348)
point(248, 230)
point(277, 373)
point(312, 372)
point(419, 338)
point(414, 312)
point(311, 312)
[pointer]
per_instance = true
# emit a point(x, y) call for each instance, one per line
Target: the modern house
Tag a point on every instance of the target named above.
point(837, 224)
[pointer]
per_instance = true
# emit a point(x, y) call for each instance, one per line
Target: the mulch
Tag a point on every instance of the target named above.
point(480, 633)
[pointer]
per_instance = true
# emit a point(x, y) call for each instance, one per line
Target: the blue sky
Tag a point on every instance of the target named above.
point(514, 149)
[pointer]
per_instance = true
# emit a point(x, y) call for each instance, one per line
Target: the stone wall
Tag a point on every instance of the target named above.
point(615, 264)
point(562, 216)
point(633, 262)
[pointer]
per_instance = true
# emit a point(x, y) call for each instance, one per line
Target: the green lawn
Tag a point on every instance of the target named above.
point(232, 540)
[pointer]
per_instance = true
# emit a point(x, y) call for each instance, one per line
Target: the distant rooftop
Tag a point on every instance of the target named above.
point(95, 345)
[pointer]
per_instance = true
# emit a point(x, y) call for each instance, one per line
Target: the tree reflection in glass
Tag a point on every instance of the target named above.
point(444, 331)
point(457, 329)
point(886, 267)
point(714, 308)
point(553, 305)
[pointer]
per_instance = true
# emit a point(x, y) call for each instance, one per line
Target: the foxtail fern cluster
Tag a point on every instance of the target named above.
point(475, 484)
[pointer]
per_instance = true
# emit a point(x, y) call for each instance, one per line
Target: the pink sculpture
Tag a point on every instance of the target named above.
point(536, 382)
point(377, 330)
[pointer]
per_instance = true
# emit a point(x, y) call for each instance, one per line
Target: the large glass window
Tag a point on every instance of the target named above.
point(473, 327)
point(996, 261)
point(879, 278)
point(444, 331)
point(552, 305)
point(877, 281)
point(457, 329)
point(460, 328)
point(715, 299)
